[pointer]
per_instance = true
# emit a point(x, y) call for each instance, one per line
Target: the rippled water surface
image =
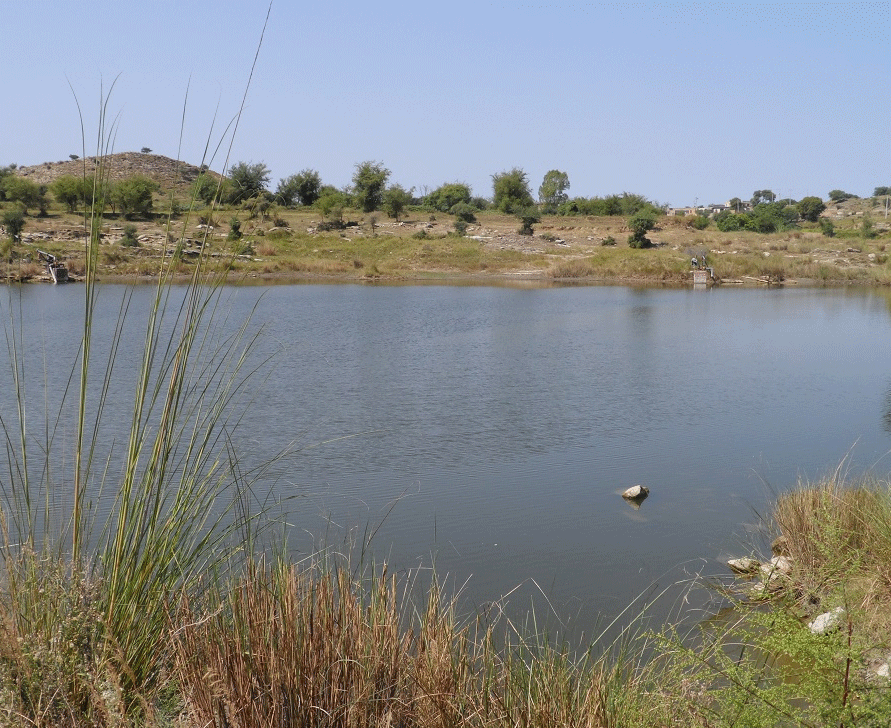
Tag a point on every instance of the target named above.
point(489, 430)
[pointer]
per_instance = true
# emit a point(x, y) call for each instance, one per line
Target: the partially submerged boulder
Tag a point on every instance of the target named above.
point(636, 493)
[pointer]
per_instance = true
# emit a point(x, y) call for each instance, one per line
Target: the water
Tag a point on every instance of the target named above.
point(489, 430)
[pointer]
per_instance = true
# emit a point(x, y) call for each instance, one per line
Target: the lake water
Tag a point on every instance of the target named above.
point(490, 430)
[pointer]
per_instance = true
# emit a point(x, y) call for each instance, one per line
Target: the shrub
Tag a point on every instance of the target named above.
point(234, 230)
point(463, 212)
point(528, 217)
point(511, 191)
point(129, 239)
point(14, 222)
point(460, 228)
point(699, 222)
point(827, 227)
point(446, 196)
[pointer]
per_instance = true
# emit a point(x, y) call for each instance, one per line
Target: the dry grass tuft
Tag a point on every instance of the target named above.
point(290, 646)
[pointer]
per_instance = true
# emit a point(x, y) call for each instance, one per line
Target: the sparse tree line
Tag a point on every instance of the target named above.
point(247, 185)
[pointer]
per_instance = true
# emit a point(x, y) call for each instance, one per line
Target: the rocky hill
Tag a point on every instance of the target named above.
point(167, 172)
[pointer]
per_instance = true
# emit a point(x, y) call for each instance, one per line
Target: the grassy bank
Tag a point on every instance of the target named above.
point(290, 244)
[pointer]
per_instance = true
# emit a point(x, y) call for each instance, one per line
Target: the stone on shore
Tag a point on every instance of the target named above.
point(744, 565)
point(828, 622)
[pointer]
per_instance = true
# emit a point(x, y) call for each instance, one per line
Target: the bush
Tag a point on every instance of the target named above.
point(133, 196)
point(463, 212)
point(460, 228)
point(640, 223)
point(511, 191)
point(129, 239)
point(369, 181)
point(827, 227)
point(234, 230)
point(446, 196)
point(699, 222)
point(14, 222)
point(810, 208)
point(247, 181)
point(528, 217)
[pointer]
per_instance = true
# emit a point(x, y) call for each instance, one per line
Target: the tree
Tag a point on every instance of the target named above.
point(24, 191)
point(640, 223)
point(145, 150)
point(331, 204)
point(133, 196)
point(810, 208)
point(552, 191)
point(841, 196)
point(73, 157)
point(511, 191)
point(248, 180)
point(207, 188)
point(735, 204)
point(69, 191)
point(396, 199)
point(14, 222)
point(369, 181)
point(881, 191)
point(446, 196)
point(303, 187)
point(759, 196)
point(528, 217)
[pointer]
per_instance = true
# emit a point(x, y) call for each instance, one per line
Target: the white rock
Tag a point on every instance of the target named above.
point(745, 565)
point(884, 670)
point(777, 565)
point(636, 492)
point(827, 622)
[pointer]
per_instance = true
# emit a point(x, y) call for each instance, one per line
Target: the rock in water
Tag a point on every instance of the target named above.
point(745, 565)
point(636, 492)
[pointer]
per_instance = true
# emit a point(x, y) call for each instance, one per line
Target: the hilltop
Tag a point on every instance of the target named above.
point(167, 172)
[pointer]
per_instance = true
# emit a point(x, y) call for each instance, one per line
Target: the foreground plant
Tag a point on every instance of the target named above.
point(85, 604)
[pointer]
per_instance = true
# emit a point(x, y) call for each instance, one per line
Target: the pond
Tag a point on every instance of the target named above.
point(489, 430)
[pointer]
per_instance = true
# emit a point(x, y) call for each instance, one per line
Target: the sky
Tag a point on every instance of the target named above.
point(683, 103)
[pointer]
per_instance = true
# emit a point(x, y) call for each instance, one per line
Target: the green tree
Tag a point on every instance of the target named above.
point(247, 180)
point(768, 217)
point(841, 196)
point(511, 191)
point(528, 217)
point(759, 196)
point(205, 188)
point(331, 204)
point(881, 191)
point(727, 221)
point(640, 223)
point(303, 188)
point(735, 204)
point(133, 196)
point(70, 191)
point(26, 192)
point(552, 191)
point(446, 196)
point(396, 199)
point(14, 222)
point(369, 182)
point(810, 208)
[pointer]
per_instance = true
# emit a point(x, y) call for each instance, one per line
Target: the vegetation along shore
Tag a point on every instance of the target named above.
point(155, 209)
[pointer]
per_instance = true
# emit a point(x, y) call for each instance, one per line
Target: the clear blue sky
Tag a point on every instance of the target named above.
point(675, 101)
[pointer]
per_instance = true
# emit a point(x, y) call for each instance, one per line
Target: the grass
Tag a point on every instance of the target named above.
point(419, 248)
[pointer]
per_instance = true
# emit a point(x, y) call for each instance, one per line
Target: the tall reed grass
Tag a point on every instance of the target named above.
point(86, 605)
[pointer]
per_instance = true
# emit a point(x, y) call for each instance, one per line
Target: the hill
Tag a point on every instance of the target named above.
point(167, 172)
